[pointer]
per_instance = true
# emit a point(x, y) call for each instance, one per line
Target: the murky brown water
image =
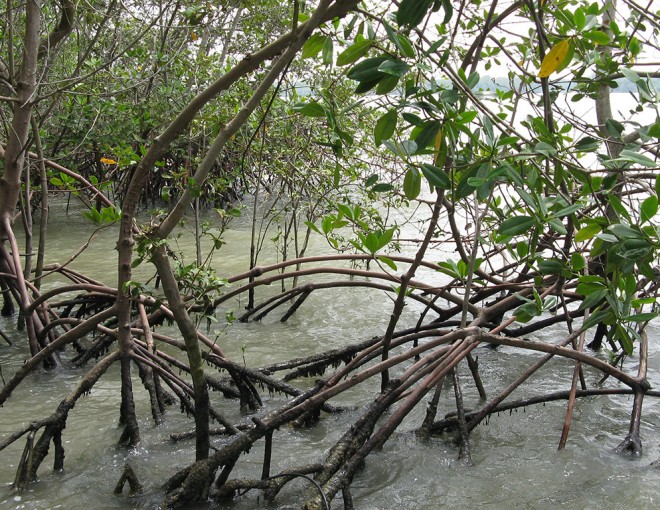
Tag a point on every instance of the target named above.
point(517, 465)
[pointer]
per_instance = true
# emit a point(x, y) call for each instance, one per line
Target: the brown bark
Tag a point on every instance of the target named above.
point(195, 361)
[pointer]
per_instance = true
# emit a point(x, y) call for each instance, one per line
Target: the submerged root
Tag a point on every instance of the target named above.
point(631, 446)
point(34, 454)
point(270, 486)
point(128, 476)
point(192, 484)
point(23, 478)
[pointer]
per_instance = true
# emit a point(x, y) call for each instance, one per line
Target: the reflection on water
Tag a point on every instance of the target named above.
point(516, 462)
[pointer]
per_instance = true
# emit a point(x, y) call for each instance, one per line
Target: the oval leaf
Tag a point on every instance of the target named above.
point(554, 58)
point(412, 12)
point(412, 184)
point(597, 37)
point(436, 176)
point(367, 70)
point(587, 232)
point(354, 52)
point(649, 208)
point(385, 127)
point(516, 225)
point(313, 109)
point(313, 45)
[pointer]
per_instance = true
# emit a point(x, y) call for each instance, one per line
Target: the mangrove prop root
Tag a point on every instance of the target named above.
point(23, 479)
point(473, 363)
point(347, 497)
point(128, 476)
point(270, 486)
point(431, 412)
point(219, 431)
point(224, 474)
point(631, 446)
point(450, 422)
point(464, 438)
point(54, 424)
point(130, 436)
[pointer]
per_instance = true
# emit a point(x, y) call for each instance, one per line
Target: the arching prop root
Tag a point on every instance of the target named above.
point(270, 486)
point(128, 476)
point(35, 453)
point(348, 455)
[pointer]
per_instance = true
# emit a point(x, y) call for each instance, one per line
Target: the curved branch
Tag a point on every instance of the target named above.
point(61, 31)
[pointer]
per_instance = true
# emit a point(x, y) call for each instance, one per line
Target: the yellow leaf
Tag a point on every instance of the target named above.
point(108, 161)
point(437, 147)
point(554, 58)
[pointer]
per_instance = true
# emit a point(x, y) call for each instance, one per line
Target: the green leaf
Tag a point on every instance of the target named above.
point(382, 187)
point(313, 45)
point(394, 67)
point(597, 37)
point(587, 144)
point(449, 268)
point(385, 127)
point(412, 183)
point(507, 140)
point(367, 70)
point(568, 210)
point(403, 149)
point(617, 205)
point(427, 135)
point(516, 225)
point(354, 52)
point(641, 317)
point(621, 334)
point(608, 238)
point(313, 109)
point(593, 296)
point(596, 318)
point(466, 117)
point(654, 130)
point(557, 226)
point(579, 19)
point(387, 261)
point(614, 128)
point(634, 249)
point(625, 232)
point(631, 75)
point(412, 12)
point(587, 232)
point(400, 41)
point(649, 208)
point(472, 80)
point(449, 10)
point(366, 86)
point(578, 262)
point(526, 312)
point(327, 51)
point(436, 176)
point(313, 227)
point(545, 148)
point(551, 266)
point(371, 180)
point(387, 84)
point(636, 157)
point(405, 46)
